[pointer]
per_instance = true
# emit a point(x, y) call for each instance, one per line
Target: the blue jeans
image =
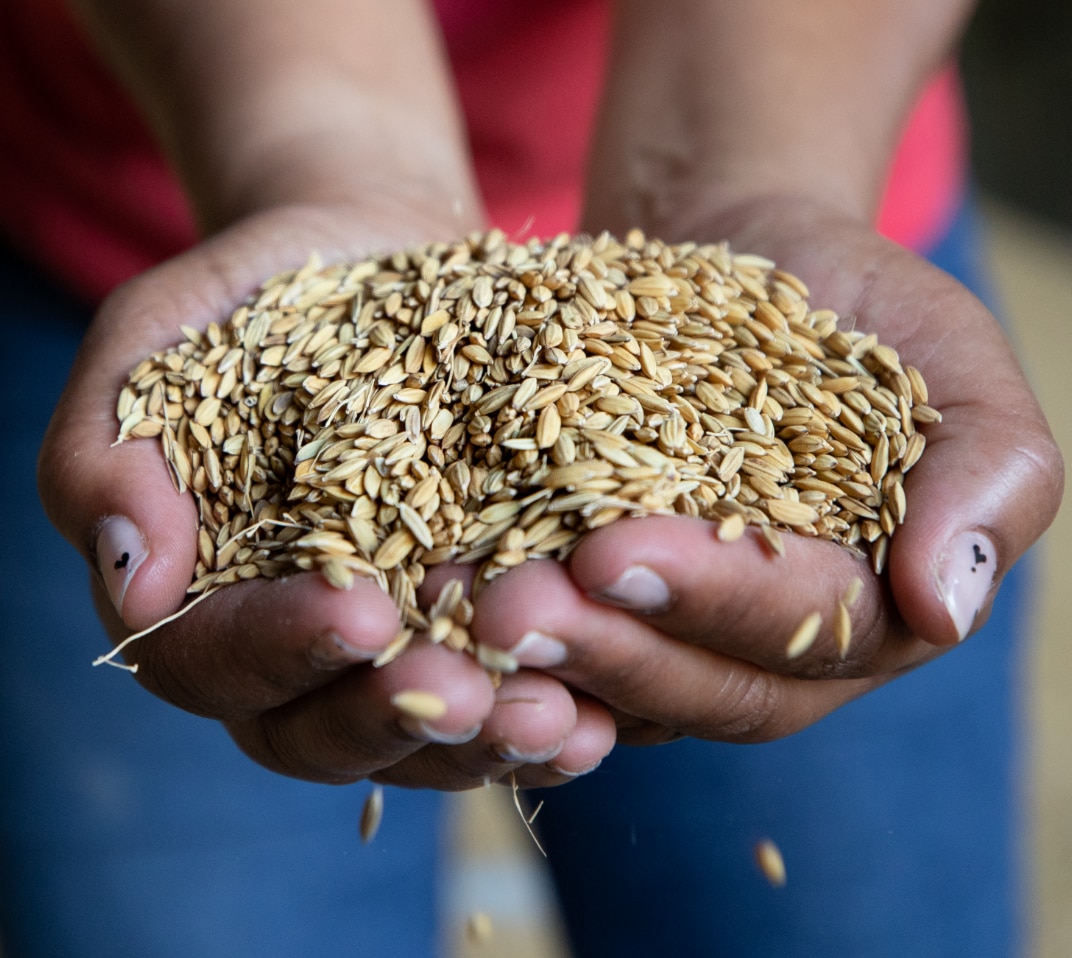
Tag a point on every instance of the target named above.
point(130, 828)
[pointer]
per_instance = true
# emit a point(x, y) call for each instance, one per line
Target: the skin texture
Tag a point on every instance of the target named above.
point(773, 130)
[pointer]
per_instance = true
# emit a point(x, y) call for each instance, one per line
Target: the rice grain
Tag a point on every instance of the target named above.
point(374, 419)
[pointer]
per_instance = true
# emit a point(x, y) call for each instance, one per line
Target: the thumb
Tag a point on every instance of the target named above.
point(117, 503)
point(986, 488)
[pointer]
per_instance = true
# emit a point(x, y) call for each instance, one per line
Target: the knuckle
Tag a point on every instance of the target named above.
point(279, 744)
point(268, 744)
point(255, 742)
point(749, 709)
point(163, 675)
point(1037, 472)
point(1051, 467)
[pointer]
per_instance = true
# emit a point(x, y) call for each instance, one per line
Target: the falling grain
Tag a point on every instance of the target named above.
point(843, 630)
point(479, 928)
point(804, 637)
point(731, 529)
point(770, 862)
point(852, 593)
point(773, 538)
point(372, 814)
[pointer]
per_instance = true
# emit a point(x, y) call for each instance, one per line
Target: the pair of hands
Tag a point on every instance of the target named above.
point(651, 630)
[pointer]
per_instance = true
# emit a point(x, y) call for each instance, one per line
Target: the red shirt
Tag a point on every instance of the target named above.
point(85, 191)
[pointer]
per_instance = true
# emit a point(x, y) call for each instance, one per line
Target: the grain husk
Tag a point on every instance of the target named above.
point(369, 420)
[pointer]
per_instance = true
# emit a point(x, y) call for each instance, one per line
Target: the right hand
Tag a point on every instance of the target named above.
point(285, 664)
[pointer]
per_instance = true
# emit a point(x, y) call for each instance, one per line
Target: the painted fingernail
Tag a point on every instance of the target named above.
point(537, 650)
point(516, 756)
point(330, 652)
point(120, 552)
point(421, 730)
point(965, 574)
point(639, 589)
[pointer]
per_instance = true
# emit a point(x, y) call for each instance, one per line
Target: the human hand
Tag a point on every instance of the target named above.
point(681, 633)
point(286, 664)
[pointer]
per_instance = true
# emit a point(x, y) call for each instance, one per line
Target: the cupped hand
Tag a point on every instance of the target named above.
point(683, 634)
point(285, 664)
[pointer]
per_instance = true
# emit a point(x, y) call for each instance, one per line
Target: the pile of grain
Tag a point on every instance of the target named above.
point(488, 402)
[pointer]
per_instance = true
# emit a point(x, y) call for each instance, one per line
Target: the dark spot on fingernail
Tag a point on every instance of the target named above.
point(121, 562)
point(980, 556)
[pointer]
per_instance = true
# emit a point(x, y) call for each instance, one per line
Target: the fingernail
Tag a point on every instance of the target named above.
point(329, 652)
point(573, 774)
point(965, 575)
point(421, 730)
point(537, 650)
point(638, 588)
point(515, 756)
point(120, 552)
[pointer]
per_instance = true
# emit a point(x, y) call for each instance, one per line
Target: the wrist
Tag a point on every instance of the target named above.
point(319, 140)
point(723, 207)
point(271, 104)
point(323, 173)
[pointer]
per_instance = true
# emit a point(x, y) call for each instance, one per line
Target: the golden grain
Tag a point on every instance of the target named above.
point(479, 928)
point(731, 528)
point(842, 629)
point(395, 647)
point(770, 862)
point(373, 419)
point(852, 593)
point(773, 538)
point(372, 814)
point(495, 660)
point(791, 512)
point(419, 704)
point(805, 635)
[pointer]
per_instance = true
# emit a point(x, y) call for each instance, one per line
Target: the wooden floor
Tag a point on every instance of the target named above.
point(499, 871)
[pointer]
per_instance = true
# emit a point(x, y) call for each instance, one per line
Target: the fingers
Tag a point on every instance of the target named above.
point(541, 615)
point(464, 734)
point(537, 730)
point(287, 665)
point(256, 645)
point(590, 741)
point(355, 726)
point(744, 600)
point(741, 599)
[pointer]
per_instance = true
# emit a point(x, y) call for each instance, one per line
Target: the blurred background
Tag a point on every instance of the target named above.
point(1018, 68)
point(1017, 65)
